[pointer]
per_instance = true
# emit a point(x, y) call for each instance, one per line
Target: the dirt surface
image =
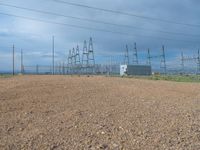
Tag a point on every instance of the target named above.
point(75, 113)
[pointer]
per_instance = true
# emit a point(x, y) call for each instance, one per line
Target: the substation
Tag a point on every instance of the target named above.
point(80, 60)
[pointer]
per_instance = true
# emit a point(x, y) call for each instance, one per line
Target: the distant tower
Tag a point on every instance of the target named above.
point(126, 59)
point(135, 55)
point(148, 57)
point(37, 69)
point(69, 61)
point(77, 56)
point(182, 62)
point(63, 68)
point(73, 56)
point(70, 58)
point(91, 60)
point(60, 68)
point(85, 55)
point(198, 62)
point(163, 60)
point(22, 64)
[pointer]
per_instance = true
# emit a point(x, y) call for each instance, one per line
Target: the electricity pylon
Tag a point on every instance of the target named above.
point(85, 57)
point(91, 60)
point(163, 60)
point(126, 59)
point(135, 55)
point(148, 57)
point(69, 61)
point(77, 56)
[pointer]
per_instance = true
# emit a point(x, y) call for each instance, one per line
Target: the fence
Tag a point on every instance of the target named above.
point(98, 69)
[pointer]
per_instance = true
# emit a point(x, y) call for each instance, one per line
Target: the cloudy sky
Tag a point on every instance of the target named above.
point(149, 23)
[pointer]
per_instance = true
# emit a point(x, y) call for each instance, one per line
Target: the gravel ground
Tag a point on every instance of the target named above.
point(75, 113)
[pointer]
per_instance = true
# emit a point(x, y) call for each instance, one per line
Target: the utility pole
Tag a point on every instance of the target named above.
point(37, 69)
point(22, 66)
point(53, 51)
point(135, 55)
point(63, 68)
point(182, 62)
point(13, 60)
point(198, 62)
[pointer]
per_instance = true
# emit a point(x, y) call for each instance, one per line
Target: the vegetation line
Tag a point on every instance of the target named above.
point(176, 78)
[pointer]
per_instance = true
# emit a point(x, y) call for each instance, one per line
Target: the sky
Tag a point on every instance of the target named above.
point(35, 37)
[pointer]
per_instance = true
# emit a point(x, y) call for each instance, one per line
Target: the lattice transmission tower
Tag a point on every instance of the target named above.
point(85, 57)
point(126, 58)
point(70, 58)
point(73, 56)
point(91, 60)
point(135, 54)
point(69, 63)
point(77, 56)
point(148, 57)
point(77, 66)
point(163, 60)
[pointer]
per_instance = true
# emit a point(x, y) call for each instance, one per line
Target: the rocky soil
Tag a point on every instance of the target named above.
point(75, 113)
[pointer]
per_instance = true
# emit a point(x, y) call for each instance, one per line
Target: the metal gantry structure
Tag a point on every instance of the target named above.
point(82, 61)
point(195, 59)
point(135, 56)
point(162, 58)
point(84, 66)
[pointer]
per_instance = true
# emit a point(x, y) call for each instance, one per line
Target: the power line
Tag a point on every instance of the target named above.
point(127, 14)
point(90, 28)
point(95, 21)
